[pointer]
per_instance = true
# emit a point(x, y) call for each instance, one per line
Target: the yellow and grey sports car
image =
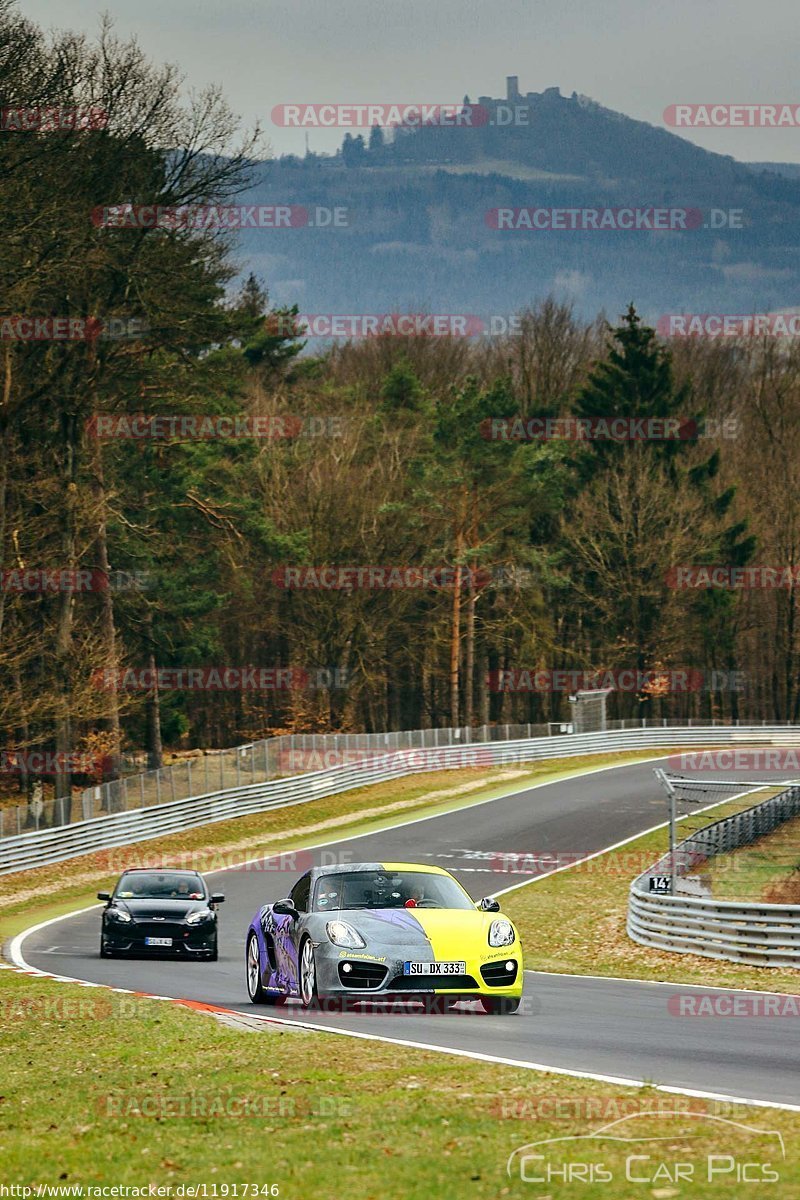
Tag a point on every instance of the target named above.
point(378, 930)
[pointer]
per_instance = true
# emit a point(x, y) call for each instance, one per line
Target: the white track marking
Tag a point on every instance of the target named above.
point(621, 1080)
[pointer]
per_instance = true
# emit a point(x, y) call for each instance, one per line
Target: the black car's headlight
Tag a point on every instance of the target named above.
point(197, 918)
point(342, 934)
point(120, 914)
point(501, 933)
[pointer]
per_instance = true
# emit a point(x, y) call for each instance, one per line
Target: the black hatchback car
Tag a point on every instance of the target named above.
point(160, 912)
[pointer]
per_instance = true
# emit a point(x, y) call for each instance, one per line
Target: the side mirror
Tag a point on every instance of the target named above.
point(217, 897)
point(103, 895)
point(285, 908)
point(489, 904)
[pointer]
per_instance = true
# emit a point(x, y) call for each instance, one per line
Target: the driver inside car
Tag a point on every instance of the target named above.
point(416, 894)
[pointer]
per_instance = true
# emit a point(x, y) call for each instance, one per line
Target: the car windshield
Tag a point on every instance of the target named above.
point(388, 889)
point(160, 885)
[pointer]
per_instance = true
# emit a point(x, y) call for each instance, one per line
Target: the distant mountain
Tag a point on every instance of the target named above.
point(788, 170)
point(420, 234)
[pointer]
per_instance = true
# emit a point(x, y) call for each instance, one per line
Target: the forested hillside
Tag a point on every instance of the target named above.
point(419, 228)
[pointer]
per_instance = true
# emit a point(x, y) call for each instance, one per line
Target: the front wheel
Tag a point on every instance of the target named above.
point(308, 976)
point(499, 1006)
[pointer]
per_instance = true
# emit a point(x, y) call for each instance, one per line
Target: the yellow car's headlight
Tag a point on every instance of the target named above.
point(501, 933)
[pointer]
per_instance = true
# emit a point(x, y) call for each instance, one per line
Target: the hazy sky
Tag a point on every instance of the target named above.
point(636, 56)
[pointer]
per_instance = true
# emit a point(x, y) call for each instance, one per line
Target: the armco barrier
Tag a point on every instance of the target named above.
point(763, 935)
point(119, 829)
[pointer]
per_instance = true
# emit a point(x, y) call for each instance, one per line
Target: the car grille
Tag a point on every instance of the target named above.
point(146, 929)
point(496, 975)
point(427, 983)
point(363, 975)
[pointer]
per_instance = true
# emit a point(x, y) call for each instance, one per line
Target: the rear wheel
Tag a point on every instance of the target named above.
point(500, 1006)
point(255, 991)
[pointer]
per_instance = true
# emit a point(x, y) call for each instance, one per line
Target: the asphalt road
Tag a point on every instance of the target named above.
point(616, 1028)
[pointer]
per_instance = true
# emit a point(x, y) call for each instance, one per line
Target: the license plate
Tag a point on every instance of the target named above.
point(158, 941)
point(435, 968)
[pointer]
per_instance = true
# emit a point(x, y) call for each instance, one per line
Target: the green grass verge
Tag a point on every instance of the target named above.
point(99, 1089)
point(574, 921)
point(768, 869)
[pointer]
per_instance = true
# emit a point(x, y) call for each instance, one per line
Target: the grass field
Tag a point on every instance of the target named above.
point(106, 1089)
point(767, 870)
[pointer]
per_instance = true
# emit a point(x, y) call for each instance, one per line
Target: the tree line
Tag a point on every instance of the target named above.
point(366, 534)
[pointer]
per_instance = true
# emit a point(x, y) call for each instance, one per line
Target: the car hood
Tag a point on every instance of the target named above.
point(389, 926)
point(451, 932)
point(171, 910)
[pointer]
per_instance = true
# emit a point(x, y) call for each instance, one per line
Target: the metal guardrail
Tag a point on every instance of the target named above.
point(764, 935)
point(276, 758)
point(254, 762)
point(120, 829)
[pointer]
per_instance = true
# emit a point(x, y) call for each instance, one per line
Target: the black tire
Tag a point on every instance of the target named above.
point(500, 1006)
point(307, 972)
point(214, 955)
point(252, 962)
point(105, 952)
point(257, 993)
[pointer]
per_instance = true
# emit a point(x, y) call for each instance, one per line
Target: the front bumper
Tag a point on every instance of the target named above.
point(370, 975)
point(187, 940)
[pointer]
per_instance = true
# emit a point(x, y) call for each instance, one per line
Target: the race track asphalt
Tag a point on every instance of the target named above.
point(606, 1027)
